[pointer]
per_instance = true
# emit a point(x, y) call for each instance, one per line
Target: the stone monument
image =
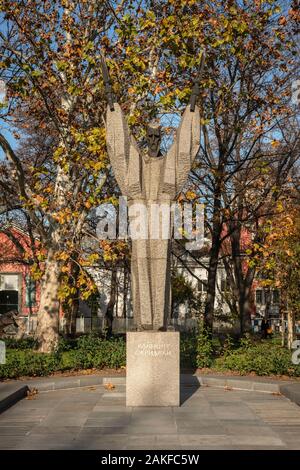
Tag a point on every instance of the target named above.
point(150, 179)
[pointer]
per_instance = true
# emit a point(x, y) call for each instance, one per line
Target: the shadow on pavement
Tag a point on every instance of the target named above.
point(189, 385)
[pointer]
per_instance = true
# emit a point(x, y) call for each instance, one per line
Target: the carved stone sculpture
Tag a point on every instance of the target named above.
point(151, 178)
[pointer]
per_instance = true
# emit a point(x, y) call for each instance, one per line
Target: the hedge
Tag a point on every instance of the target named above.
point(262, 359)
point(87, 352)
point(197, 351)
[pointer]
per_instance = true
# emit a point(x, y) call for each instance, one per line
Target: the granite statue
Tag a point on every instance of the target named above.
point(151, 178)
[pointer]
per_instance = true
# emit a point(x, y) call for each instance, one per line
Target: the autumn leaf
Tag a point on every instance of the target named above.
point(109, 386)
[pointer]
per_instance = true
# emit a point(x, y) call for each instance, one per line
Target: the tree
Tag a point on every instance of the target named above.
point(280, 264)
point(255, 194)
point(51, 62)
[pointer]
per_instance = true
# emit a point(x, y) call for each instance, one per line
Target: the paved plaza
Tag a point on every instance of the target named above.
point(96, 418)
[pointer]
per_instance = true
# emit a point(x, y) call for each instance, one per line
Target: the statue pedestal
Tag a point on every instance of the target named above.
point(152, 371)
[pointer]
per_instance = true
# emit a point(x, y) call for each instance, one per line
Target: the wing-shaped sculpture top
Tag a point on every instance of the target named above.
point(182, 153)
point(126, 161)
point(123, 152)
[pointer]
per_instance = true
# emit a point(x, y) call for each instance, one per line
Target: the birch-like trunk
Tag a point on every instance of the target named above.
point(291, 328)
point(47, 331)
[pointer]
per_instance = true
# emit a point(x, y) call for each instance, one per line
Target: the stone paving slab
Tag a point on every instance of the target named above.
point(11, 392)
point(210, 418)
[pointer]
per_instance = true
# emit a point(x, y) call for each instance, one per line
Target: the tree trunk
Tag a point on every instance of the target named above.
point(71, 310)
point(283, 336)
point(70, 315)
point(213, 261)
point(268, 303)
point(291, 328)
point(47, 331)
point(211, 287)
point(111, 303)
point(243, 276)
point(282, 316)
point(125, 291)
point(244, 310)
point(215, 250)
point(74, 315)
point(233, 301)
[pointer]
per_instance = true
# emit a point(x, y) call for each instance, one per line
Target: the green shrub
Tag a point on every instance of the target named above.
point(66, 344)
point(263, 358)
point(204, 349)
point(28, 363)
point(217, 346)
point(98, 352)
point(228, 345)
point(25, 343)
point(188, 347)
point(89, 351)
point(247, 341)
point(91, 341)
point(69, 360)
point(197, 350)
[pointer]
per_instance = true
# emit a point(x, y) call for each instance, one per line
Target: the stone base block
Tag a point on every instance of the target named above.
point(152, 371)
